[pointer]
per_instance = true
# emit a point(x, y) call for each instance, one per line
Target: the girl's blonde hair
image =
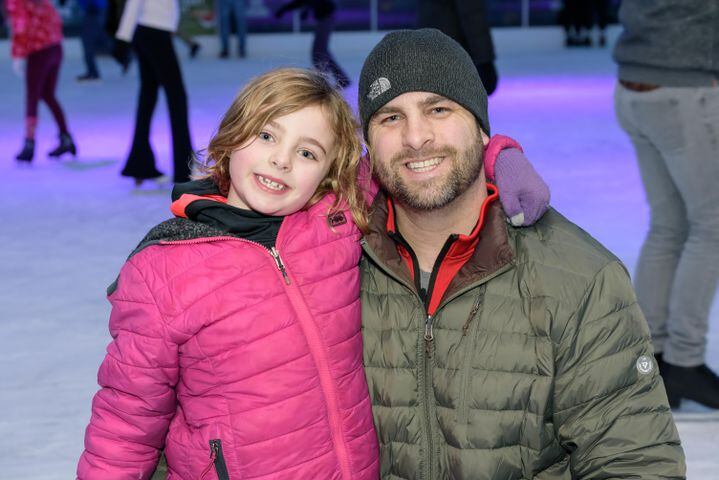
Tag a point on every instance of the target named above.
point(281, 92)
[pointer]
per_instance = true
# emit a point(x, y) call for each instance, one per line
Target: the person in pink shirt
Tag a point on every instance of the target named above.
point(37, 37)
point(236, 332)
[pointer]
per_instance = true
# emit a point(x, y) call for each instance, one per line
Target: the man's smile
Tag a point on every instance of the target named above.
point(421, 166)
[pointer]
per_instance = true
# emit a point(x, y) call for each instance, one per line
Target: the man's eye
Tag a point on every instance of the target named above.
point(308, 154)
point(266, 136)
point(390, 118)
point(440, 110)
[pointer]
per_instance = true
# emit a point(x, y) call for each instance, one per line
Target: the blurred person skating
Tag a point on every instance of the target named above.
point(92, 35)
point(575, 18)
point(185, 37)
point(323, 12)
point(667, 101)
point(466, 22)
point(36, 36)
point(119, 51)
point(600, 16)
point(184, 33)
point(579, 17)
point(227, 10)
point(149, 25)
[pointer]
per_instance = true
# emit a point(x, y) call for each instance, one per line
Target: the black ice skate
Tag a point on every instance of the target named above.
point(66, 146)
point(27, 152)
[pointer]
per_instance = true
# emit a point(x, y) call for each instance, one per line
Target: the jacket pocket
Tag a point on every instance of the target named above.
point(469, 337)
point(217, 459)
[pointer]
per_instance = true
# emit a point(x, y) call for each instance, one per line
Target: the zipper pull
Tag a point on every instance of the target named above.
point(428, 335)
point(280, 266)
point(213, 455)
point(472, 313)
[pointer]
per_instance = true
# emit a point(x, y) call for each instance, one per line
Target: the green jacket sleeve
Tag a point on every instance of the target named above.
point(610, 407)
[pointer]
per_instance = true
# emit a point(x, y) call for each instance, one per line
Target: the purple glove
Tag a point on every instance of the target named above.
point(523, 193)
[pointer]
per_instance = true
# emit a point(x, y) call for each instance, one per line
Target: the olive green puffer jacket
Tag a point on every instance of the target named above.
point(540, 367)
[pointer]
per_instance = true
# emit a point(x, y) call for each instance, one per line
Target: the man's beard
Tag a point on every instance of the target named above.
point(435, 193)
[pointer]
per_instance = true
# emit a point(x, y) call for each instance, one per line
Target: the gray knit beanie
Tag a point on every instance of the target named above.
point(424, 60)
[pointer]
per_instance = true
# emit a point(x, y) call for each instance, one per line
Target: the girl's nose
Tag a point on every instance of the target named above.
point(281, 161)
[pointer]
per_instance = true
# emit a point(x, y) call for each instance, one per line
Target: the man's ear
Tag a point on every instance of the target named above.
point(485, 138)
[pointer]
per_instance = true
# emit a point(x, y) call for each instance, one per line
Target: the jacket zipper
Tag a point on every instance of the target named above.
point(428, 336)
point(218, 460)
point(319, 354)
point(314, 340)
point(463, 409)
point(280, 266)
point(428, 387)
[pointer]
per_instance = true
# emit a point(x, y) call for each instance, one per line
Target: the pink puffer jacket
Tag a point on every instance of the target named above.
point(239, 361)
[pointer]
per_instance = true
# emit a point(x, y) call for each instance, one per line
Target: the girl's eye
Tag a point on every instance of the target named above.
point(265, 136)
point(308, 154)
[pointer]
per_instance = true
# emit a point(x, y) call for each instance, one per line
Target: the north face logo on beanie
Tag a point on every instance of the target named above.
point(378, 87)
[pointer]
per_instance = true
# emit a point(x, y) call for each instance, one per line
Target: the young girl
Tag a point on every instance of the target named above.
point(37, 36)
point(236, 326)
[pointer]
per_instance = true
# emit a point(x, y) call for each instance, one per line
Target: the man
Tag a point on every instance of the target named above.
point(667, 101)
point(490, 351)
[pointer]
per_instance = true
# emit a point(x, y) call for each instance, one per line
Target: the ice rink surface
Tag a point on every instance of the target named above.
point(66, 227)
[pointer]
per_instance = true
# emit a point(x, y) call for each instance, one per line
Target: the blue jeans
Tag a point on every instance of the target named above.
point(675, 132)
point(225, 9)
point(92, 35)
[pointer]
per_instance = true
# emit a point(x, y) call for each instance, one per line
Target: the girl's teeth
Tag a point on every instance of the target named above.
point(424, 166)
point(270, 184)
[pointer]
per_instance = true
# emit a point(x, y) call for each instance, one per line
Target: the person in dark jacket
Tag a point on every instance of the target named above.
point(667, 100)
point(466, 22)
point(323, 12)
point(491, 351)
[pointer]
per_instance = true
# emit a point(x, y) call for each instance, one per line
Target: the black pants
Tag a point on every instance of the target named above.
point(581, 14)
point(159, 67)
point(322, 59)
point(466, 22)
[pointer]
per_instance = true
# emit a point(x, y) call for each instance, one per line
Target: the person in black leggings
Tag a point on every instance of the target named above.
point(37, 37)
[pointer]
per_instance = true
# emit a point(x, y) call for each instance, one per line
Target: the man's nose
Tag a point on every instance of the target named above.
point(418, 132)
